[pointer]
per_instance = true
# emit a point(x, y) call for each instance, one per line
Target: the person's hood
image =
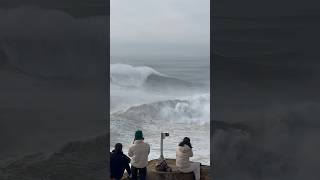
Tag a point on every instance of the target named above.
point(184, 148)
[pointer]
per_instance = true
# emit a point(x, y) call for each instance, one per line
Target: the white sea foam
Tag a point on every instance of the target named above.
point(194, 109)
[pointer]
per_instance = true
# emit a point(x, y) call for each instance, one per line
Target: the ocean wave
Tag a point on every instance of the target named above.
point(194, 109)
point(126, 75)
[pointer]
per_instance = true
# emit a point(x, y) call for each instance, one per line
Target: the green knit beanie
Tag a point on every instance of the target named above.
point(138, 135)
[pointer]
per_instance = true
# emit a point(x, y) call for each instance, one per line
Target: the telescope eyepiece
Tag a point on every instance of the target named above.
point(164, 135)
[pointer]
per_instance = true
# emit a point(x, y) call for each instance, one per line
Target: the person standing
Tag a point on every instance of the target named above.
point(183, 153)
point(118, 163)
point(139, 152)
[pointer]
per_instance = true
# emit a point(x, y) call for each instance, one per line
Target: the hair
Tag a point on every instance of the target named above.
point(118, 148)
point(185, 141)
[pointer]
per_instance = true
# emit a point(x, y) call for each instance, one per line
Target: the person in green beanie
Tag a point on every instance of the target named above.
point(139, 152)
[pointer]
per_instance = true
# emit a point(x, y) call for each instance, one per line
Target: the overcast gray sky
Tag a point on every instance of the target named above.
point(160, 27)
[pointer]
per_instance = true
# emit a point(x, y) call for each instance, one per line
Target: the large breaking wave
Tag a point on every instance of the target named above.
point(194, 109)
point(142, 89)
point(125, 75)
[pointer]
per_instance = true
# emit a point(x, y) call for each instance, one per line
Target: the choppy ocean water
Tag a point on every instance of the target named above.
point(161, 95)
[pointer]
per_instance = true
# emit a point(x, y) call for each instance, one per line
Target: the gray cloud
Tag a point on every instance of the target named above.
point(180, 27)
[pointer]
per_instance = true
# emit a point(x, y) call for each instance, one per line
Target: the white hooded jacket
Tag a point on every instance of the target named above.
point(183, 154)
point(139, 152)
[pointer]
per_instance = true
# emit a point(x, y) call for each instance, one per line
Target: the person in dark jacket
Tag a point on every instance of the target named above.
point(118, 163)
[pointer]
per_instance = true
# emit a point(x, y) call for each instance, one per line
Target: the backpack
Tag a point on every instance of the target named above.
point(162, 165)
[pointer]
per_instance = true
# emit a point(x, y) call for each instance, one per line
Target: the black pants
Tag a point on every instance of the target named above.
point(141, 171)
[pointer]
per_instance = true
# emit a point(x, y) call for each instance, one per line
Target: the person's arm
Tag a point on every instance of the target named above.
point(128, 169)
point(128, 160)
point(130, 152)
point(191, 153)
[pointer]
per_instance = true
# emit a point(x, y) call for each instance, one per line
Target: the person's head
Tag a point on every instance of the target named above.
point(118, 148)
point(185, 141)
point(138, 135)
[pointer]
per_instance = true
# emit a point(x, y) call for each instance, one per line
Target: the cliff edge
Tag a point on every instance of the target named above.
point(174, 175)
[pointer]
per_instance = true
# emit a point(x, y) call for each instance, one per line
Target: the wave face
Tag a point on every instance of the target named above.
point(125, 75)
point(194, 109)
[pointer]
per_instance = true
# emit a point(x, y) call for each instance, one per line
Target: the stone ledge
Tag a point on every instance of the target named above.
point(152, 174)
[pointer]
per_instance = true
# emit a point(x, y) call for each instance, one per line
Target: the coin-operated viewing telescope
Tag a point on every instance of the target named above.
point(163, 136)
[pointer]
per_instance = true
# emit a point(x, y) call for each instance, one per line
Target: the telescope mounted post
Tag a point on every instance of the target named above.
point(163, 136)
point(161, 148)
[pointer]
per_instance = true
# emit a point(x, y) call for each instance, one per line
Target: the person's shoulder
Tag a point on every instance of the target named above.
point(112, 154)
point(125, 157)
point(147, 144)
point(131, 146)
point(184, 148)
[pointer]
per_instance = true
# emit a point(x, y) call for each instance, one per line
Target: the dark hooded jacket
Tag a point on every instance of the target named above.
point(118, 163)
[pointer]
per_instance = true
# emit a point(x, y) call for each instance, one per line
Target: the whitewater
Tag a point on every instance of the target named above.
point(161, 96)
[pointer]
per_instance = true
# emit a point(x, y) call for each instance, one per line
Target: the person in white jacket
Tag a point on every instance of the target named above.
point(183, 153)
point(139, 152)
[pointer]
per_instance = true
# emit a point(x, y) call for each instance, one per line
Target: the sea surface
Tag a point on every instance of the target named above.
point(161, 94)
